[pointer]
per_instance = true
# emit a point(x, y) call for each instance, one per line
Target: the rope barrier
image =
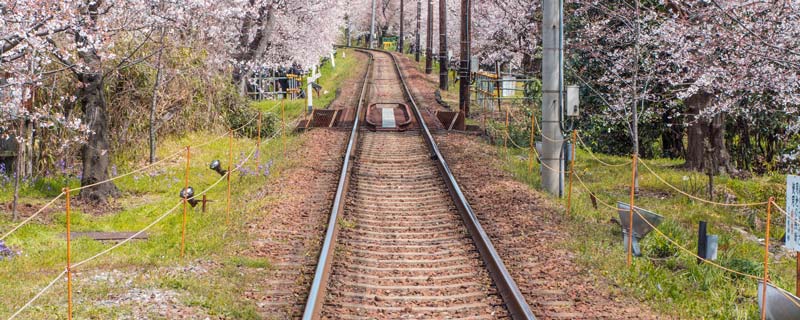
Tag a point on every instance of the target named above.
point(32, 216)
point(785, 213)
point(577, 176)
point(544, 136)
point(39, 294)
point(580, 139)
point(173, 155)
point(169, 157)
point(535, 152)
point(658, 231)
point(159, 219)
point(674, 242)
point(752, 204)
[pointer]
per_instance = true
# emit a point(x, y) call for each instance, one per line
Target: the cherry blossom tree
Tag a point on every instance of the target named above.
point(91, 40)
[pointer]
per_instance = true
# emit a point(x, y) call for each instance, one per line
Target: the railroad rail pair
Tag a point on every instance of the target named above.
point(375, 170)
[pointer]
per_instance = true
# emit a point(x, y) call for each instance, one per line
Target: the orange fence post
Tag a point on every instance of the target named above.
point(766, 262)
point(69, 259)
point(571, 171)
point(185, 201)
point(532, 142)
point(228, 177)
point(630, 217)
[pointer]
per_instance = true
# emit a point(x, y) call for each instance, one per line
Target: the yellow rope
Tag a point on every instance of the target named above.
point(752, 204)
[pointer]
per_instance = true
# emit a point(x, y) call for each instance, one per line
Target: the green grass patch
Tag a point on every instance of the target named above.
point(210, 235)
point(666, 277)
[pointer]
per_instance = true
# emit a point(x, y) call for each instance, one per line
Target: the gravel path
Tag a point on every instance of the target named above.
point(529, 234)
point(291, 235)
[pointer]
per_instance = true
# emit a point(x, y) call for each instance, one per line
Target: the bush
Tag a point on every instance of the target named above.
point(246, 118)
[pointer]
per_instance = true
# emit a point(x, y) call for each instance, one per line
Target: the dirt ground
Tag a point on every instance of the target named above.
point(423, 88)
point(530, 235)
point(290, 237)
point(526, 229)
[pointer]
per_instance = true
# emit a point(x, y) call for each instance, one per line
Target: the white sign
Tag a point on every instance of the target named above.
point(508, 86)
point(793, 209)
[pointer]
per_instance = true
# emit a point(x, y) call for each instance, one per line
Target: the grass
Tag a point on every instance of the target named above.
point(146, 197)
point(154, 263)
point(666, 278)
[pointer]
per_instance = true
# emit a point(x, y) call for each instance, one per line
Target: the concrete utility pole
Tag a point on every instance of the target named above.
point(551, 97)
point(443, 45)
point(419, 18)
point(429, 40)
point(466, 57)
point(372, 28)
point(402, 21)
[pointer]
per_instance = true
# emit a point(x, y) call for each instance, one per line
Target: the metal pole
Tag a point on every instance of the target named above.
point(400, 42)
point(429, 40)
point(419, 23)
point(443, 67)
point(702, 242)
point(766, 262)
point(466, 54)
point(551, 101)
point(372, 28)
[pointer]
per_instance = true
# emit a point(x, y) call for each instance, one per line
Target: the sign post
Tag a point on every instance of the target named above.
point(793, 221)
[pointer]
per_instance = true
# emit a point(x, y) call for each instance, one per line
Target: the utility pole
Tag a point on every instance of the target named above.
point(466, 57)
point(372, 28)
point(443, 45)
point(402, 22)
point(429, 40)
point(419, 18)
point(551, 97)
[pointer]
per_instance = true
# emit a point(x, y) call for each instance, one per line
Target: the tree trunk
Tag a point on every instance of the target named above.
point(429, 40)
point(702, 128)
point(443, 61)
point(95, 153)
point(672, 136)
point(154, 101)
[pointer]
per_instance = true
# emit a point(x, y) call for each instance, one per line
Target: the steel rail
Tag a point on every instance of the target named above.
point(509, 291)
point(316, 295)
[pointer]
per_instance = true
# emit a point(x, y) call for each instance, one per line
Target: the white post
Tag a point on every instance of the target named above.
point(310, 89)
point(333, 61)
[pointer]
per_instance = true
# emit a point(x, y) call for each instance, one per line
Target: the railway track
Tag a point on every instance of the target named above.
point(402, 241)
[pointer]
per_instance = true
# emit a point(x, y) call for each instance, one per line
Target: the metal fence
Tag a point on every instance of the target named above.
point(273, 85)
